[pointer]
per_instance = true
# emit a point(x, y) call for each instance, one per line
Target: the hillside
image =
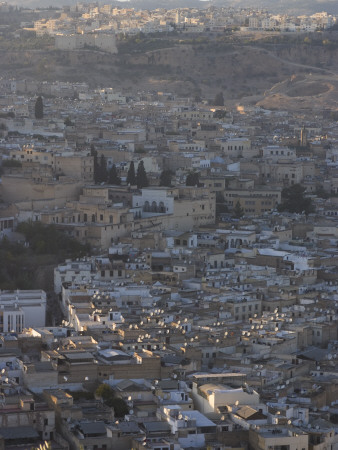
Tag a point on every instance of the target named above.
point(248, 68)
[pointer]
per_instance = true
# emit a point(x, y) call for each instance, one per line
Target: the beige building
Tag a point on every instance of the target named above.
point(198, 114)
point(254, 201)
point(236, 147)
point(29, 153)
point(278, 437)
point(104, 41)
point(35, 190)
point(286, 172)
point(22, 411)
point(78, 166)
point(92, 219)
point(98, 221)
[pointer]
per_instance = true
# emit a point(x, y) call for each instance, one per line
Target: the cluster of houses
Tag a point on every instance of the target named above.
point(90, 25)
point(210, 315)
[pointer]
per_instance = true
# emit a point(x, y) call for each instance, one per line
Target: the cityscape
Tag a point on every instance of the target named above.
point(168, 227)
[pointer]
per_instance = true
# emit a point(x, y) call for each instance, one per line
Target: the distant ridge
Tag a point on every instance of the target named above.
point(278, 6)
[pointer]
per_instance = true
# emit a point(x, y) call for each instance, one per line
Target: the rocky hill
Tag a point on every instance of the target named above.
point(250, 69)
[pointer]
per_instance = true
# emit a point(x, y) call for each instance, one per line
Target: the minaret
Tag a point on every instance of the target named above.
point(303, 137)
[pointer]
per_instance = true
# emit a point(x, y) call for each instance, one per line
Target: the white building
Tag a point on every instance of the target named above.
point(22, 309)
point(159, 200)
point(209, 397)
point(76, 272)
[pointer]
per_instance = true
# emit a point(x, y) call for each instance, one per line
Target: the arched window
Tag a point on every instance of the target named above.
point(161, 207)
point(154, 207)
point(146, 206)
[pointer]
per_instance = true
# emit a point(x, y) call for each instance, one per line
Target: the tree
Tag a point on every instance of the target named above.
point(193, 179)
point(131, 177)
point(113, 177)
point(320, 192)
point(238, 211)
point(68, 122)
point(165, 178)
point(219, 114)
point(120, 407)
point(141, 176)
point(219, 99)
point(104, 391)
point(295, 201)
point(103, 174)
point(221, 208)
point(93, 153)
point(107, 395)
point(38, 109)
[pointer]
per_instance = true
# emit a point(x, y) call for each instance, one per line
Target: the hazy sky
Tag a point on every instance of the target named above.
point(292, 6)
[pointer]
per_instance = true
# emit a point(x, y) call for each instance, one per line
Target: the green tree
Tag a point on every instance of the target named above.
point(47, 239)
point(11, 163)
point(220, 206)
point(113, 177)
point(141, 176)
point(131, 177)
point(93, 153)
point(103, 173)
point(295, 201)
point(107, 395)
point(238, 211)
point(68, 122)
point(38, 109)
point(120, 407)
point(219, 114)
point(320, 192)
point(104, 391)
point(193, 179)
point(165, 178)
point(219, 99)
